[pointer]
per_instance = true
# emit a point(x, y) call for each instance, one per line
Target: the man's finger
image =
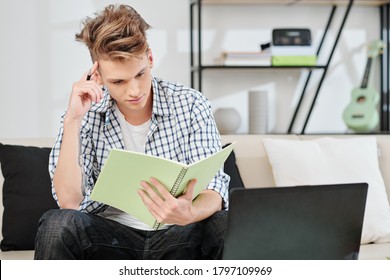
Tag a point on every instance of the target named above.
point(189, 192)
point(92, 70)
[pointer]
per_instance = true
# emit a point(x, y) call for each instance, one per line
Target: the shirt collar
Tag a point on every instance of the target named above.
point(160, 99)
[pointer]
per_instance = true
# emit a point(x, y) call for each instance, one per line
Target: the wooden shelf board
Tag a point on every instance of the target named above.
point(204, 67)
point(293, 2)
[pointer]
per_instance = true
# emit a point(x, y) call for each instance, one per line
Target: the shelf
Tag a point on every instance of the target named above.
point(293, 2)
point(219, 67)
point(197, 67)
point(384, 6)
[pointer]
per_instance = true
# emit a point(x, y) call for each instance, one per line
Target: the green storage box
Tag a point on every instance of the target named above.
point(294, 60)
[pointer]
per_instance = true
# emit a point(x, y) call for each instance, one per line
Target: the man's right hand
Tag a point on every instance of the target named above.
point(67, 177)
point(84, 93)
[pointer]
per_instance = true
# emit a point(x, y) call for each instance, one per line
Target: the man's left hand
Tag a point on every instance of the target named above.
point(164, 206)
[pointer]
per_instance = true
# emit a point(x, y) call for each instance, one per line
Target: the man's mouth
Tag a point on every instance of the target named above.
point(135, 100)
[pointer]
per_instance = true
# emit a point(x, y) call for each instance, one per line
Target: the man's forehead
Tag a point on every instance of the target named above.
point(130, 67)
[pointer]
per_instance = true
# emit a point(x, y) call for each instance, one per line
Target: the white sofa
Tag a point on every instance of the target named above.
point(256, 171)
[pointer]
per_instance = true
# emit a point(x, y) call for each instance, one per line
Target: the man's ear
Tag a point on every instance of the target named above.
point(150, 58)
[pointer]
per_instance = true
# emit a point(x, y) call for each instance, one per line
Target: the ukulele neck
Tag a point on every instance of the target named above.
point(366, 73)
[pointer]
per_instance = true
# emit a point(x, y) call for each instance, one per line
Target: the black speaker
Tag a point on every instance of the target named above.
point(291, 37)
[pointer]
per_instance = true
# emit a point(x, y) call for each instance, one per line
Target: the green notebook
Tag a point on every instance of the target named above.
point(123, 171)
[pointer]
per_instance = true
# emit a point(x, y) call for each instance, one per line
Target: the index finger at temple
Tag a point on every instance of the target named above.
point(94, 68)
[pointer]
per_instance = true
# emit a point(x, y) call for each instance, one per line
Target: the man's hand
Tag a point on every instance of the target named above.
point(84, 92)
point(166, 208)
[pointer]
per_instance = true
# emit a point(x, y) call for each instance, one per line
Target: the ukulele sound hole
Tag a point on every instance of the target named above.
point(361, 99)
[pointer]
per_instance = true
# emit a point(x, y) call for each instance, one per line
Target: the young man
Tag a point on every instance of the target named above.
point(119, 104)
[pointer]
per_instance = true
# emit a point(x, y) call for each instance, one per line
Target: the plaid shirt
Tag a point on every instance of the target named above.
point(182, 128)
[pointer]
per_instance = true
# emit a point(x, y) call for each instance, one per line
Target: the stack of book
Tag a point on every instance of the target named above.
point(236, 58)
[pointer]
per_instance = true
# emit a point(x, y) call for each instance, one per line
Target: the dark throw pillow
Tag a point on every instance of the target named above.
point(26, 194)
point(230, 168)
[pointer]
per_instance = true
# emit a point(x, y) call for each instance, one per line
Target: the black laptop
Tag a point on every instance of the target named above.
point(319, 222)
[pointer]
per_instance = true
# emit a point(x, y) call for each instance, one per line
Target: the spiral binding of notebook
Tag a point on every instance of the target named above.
point(176, 185)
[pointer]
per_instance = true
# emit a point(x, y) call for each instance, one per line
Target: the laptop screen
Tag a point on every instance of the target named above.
point(300, 222)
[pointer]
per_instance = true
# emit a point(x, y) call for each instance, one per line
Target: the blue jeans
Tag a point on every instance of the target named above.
point(70, 234)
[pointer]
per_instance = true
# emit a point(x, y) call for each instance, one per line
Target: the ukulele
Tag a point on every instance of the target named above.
point(361, 114)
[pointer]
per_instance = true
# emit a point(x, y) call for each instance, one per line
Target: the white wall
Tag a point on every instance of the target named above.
point(40, 59)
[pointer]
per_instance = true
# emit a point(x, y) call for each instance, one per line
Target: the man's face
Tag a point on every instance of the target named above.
point(129, 83)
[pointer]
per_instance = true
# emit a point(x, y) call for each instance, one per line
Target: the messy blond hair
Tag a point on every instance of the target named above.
point(116, 33)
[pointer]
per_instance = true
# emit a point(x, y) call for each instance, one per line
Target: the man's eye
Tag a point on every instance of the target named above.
point(117, 82)
point(140, 74)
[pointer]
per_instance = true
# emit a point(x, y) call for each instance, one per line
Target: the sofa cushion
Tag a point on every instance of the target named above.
point(230, 168)
point(26, 194)
point(329, 160)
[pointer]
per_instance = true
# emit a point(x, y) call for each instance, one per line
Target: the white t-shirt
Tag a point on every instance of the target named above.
point(134, 137)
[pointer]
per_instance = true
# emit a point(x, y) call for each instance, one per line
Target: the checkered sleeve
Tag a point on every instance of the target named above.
point(205, 140)
point(53, 158)
point(86, 156)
